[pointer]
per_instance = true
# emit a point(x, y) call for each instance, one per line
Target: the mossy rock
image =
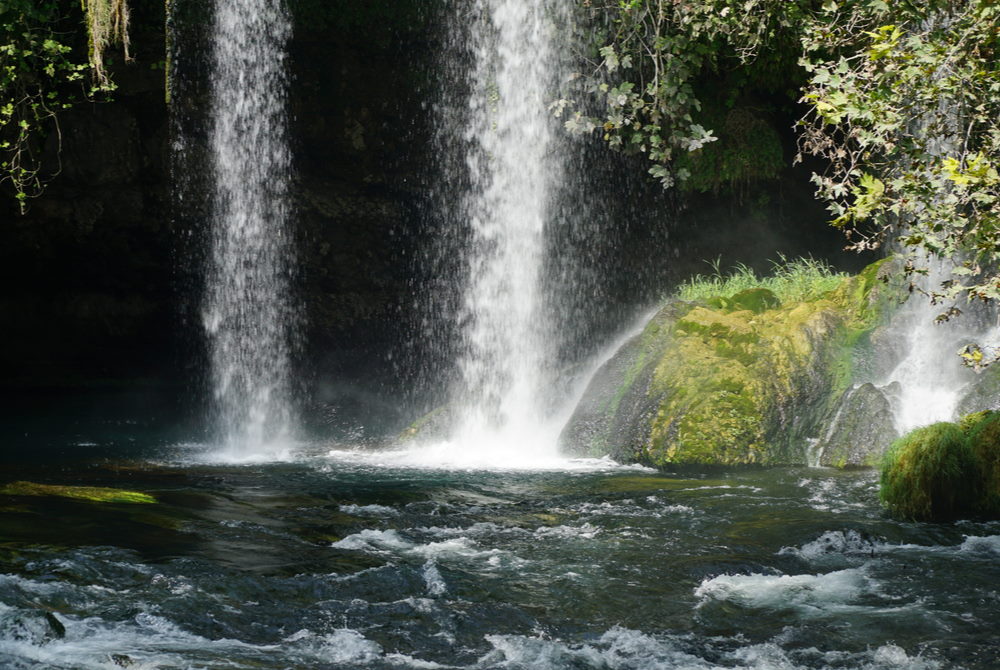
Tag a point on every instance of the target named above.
point(90, 493)
point(930, 475)
point(756, 300)
point(434, 425)
point(983, 431)
point(945, 471)
point(738, 380)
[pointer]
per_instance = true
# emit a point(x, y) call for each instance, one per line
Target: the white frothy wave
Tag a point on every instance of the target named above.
point(369, 510)
point(807, 593)
point(461, 548)
point(624, 649)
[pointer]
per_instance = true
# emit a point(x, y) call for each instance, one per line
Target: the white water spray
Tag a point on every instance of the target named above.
point(247, 312)
point(506, 359)
point(931, 378)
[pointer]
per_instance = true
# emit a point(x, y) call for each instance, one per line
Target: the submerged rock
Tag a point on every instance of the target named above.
point(860, 431)
point(718, 384)
point(945, 471)
point(91, 493)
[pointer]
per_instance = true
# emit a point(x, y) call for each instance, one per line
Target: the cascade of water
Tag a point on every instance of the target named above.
point(506, 356)
point(930, 376)
point(247, 311)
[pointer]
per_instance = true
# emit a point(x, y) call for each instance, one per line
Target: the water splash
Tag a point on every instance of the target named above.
point(506, 355)
point(247, 313)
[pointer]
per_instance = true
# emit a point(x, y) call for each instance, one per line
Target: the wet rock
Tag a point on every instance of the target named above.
point(122, 661)
point(861, 429)
point(983, 393)
point(33, 626)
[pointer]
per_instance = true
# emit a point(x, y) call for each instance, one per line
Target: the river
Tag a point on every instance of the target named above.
point(340, 557)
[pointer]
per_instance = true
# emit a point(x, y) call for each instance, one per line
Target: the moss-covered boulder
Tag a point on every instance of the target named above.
point(743, 379)
point(945, 471)
point(983, 431)
point(928, 474)
point(756, 300)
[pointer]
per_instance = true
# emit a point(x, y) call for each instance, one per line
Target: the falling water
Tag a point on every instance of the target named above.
point(247, 313)
point(506, 355)
point(930, 380)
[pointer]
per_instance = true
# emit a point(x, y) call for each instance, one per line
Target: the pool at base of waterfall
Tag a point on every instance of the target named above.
point(328, 561)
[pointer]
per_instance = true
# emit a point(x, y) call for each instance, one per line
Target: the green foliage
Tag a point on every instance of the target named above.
point(945, 471)
point(929, 474)
point(797, 280)
point(646, 66)
point(748, 150)
point(905, 106)
point(40, 76)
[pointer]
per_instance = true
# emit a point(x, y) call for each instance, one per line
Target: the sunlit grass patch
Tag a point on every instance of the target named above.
point(795, 280)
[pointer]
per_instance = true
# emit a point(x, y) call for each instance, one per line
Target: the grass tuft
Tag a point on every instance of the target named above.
point(797, 280)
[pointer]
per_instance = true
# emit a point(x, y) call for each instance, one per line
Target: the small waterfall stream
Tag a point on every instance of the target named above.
point(248, 313)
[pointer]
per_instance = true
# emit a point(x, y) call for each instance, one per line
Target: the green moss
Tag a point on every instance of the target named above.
point(91, 493)
point(735, 374)
point(728, 374)
point(983, 430)
point(929, 474)
point(756, 300)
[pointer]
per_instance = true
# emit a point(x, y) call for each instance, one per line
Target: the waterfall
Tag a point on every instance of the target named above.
point(247, 311)
point(929, 382)
point(506, 352)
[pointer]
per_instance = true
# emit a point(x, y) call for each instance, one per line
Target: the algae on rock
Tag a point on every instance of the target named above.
point(90, 493)
point(733, 380)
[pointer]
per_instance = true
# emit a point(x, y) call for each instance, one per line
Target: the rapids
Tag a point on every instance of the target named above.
point(342, 558)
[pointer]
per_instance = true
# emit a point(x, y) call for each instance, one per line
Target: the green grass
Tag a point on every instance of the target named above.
point(797, 280)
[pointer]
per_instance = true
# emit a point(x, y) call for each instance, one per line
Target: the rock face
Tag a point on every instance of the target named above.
point(860, 430)
point(720, 384)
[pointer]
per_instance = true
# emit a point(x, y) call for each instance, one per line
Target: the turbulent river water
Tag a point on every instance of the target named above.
point(337, 558)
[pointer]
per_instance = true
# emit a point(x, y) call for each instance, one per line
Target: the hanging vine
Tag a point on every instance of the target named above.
point(41, 76)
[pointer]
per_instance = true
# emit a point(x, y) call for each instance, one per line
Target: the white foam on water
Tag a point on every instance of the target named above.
point(624, 649)
point(374, 540)
point(436, 586)
point(340, 647)
point(807, 593)
point(451, 456)
point(369, 510)
point(460, 547)
point(981, 545)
